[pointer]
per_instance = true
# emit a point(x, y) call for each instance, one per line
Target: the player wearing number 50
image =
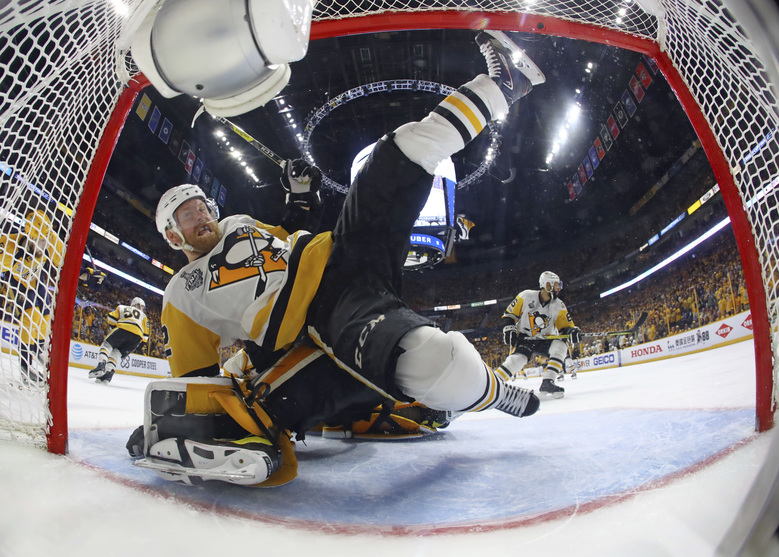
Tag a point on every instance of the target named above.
point(529, 319)
point(130, 329)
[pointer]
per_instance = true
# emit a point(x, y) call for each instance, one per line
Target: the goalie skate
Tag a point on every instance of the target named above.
point(249, 461)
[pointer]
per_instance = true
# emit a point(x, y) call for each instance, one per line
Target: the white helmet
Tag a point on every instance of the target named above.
point(138, 303)
point(550, 282)
point(172, 200)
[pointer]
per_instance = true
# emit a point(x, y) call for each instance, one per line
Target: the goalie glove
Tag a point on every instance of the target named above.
point(240, 366)
point(509, 335)
point(574, 333)
point(301, 181)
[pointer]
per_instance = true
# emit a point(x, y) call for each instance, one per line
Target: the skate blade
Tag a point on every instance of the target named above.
point(181, 471)
point(528, 68)
point(552, 395)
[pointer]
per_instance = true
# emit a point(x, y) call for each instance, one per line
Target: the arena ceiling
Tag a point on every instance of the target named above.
point(521, 205)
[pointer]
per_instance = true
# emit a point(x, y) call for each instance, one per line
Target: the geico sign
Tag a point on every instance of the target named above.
point(645, 351)
point(602, 360)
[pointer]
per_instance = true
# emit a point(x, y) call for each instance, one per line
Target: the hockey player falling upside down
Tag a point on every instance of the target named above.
point(250, 281)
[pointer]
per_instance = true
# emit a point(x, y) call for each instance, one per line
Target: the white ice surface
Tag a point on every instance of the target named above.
point(52, 505)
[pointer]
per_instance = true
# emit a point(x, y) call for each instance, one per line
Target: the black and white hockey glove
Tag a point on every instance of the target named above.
point(301, 181)
point(509, 335)
point(574, 333)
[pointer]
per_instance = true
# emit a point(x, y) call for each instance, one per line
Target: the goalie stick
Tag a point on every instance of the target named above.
point(640, 321)
point(267, 151)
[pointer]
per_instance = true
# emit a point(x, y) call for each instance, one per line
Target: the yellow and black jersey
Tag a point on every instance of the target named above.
point(130, 319)
point(535, 319)
point(18, 256)
point(256, 284)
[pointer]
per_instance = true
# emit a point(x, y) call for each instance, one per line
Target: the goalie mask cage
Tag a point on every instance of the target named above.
point(67, 86)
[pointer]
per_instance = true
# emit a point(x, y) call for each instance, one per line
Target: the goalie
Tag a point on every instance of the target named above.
point(528, 320)
point(275, 287)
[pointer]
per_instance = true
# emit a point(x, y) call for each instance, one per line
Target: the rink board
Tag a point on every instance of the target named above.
point(475, 475)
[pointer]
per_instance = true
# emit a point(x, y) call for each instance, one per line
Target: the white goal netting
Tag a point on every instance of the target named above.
point(62, 75)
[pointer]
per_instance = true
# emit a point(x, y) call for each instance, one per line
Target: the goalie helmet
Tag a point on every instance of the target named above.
point(172, 200)
point(550, 282)
point(138, 303)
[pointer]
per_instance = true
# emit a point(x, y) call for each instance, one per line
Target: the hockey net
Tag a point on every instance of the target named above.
point(66, 87)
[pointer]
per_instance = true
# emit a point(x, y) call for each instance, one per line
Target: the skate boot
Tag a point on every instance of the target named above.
point(508, 65)
point(550, 390)
point(31, 378)
point(561, 376)
point(247, 461)
point(105, 379)
point(97, 371)
point(517, 401)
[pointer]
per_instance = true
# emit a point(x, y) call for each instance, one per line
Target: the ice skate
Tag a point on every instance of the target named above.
point(550, 390)
point(105, 378)
point(509, 66)
point(31, 378)
point(518, 402)
point(247, 461)
point(97, 371)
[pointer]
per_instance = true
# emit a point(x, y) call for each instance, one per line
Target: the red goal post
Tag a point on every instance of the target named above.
point(66, 90)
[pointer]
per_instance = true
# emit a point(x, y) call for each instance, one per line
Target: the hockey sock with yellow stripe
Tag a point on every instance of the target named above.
point(458, 119)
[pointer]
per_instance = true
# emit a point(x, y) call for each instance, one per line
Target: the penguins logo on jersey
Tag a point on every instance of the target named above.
point(247, 253)
point(538, 322)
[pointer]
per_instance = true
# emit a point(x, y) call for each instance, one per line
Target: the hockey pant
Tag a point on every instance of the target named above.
point(524, 348)
point(357, 316)
point(117, 345)
point(304, 390)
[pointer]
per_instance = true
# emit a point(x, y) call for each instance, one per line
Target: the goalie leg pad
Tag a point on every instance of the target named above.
point(390, 421)
point(203, 410)
point(249, 461)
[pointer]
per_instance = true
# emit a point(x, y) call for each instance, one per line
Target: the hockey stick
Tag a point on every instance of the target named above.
point(246, 137)
point(640, 321)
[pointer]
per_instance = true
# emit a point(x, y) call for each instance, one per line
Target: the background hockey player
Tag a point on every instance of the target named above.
point(130, 328)
point(531, 317)
point(247, 280)
point(28, 258)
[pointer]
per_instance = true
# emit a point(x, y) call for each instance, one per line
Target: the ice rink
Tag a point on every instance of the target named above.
point(651, 459)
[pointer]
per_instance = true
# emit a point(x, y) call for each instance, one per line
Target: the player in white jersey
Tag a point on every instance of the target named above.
point(130, 328)
point(250, 281)
point(527, 322)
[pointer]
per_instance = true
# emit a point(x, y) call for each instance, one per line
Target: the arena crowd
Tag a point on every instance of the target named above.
point(703, 286)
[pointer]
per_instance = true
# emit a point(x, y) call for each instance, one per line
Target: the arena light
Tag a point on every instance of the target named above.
point(670, 259)
point(122, 274)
